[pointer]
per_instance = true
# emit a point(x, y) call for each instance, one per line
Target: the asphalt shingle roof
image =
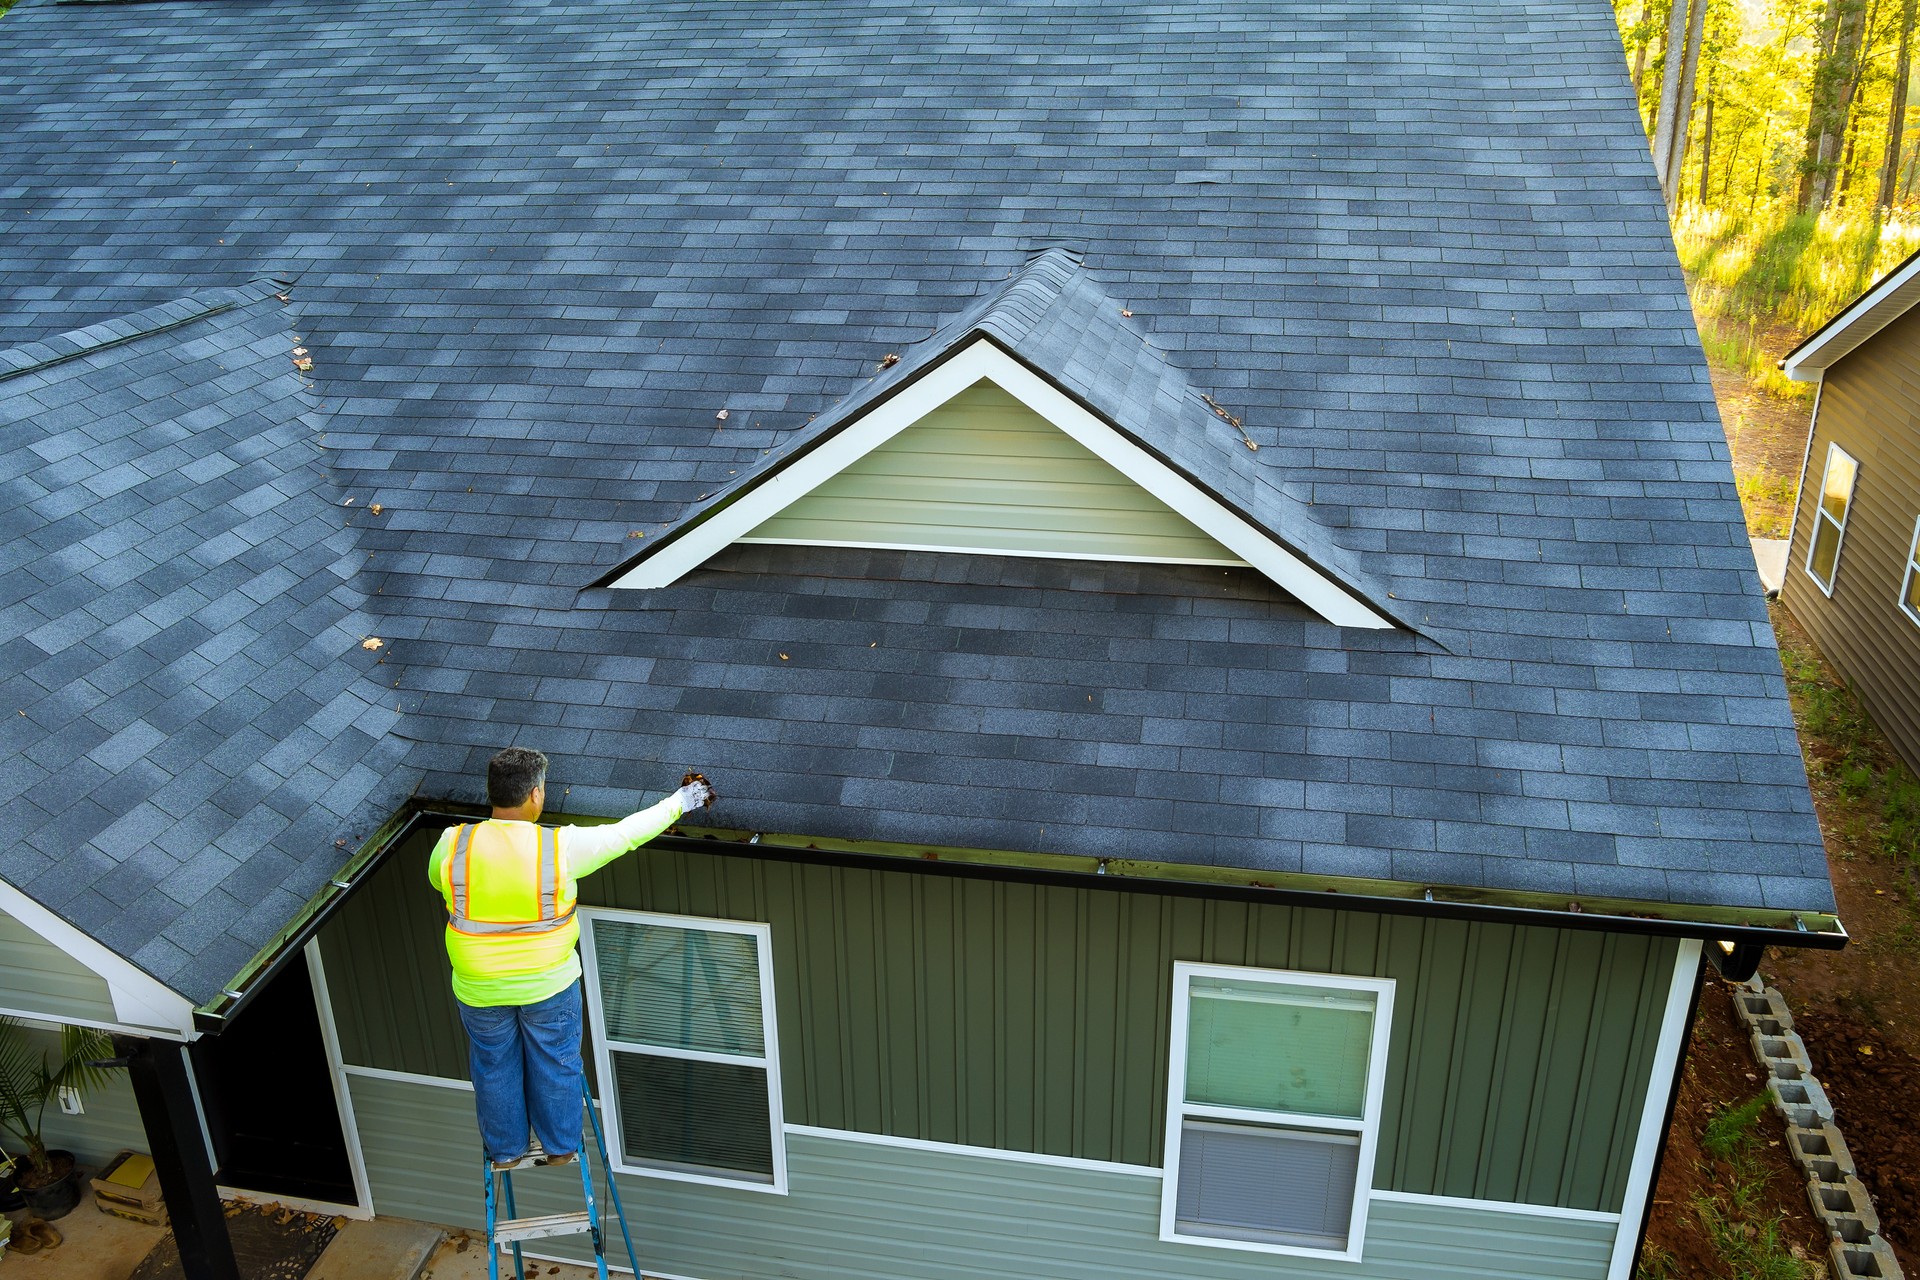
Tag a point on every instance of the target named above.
point(1418, 250)
point(190, 719)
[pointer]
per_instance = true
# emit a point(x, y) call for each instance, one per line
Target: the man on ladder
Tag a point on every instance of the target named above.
point(510, 888)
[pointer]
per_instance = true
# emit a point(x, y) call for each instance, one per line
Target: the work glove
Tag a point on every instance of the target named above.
point(694, 795)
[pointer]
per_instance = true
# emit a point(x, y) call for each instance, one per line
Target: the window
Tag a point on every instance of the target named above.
point(1830, 517)
point(684, 1047)
point(1910, 583)
point(1274, 1113)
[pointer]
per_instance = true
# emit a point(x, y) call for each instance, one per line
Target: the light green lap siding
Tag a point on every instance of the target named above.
point(38, 977)
point(985, 472)
point(857, 1211)
point(109, 1121)
point(1036, 1018)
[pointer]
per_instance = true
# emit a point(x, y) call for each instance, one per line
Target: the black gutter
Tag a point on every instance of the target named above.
point(213, 1017)
point(1329, 900)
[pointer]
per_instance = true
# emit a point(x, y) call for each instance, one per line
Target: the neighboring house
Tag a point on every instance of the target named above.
point(1853, 555)
point(1194, 540)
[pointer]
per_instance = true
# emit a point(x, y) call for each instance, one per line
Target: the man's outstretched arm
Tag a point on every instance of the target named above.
point(590, 848)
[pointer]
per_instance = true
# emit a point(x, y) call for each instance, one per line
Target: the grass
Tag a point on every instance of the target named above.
point(1760, 283)
point(1767, 498)
point(1747, 1243)
point(1846, 749)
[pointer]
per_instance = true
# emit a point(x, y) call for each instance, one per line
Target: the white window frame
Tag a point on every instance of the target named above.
point(1368, 1126)
point(604, 1046)
point(1913, 571)
point(1820, 514)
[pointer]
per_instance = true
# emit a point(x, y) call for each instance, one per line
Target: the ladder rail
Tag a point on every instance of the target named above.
point(514, 1229)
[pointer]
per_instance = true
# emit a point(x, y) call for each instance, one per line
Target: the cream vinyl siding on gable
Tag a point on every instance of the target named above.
point(38, 977)
point(983, 472)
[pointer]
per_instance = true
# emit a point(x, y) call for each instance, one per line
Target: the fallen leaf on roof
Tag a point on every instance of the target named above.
point(375, 508)
point(303, 363)
point(889, 360)
point(720, 416)
point(637, 533)
point(372, 642)
point(1125, 312)
point(783, 657)
point(347, 503)
point(299, 351)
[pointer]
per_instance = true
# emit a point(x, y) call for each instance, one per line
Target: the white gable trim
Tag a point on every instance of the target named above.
point(984, 360)
point(1868, 314)
point(143, 1004)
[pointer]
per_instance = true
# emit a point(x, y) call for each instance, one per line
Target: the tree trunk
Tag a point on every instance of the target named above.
point(1830, 101)
point(1679, 122)
point(1642, 37)
point(1897, 112)
point(1706, 147)
point(1663, 123)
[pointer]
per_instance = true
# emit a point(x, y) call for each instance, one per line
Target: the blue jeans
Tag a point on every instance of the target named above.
point(525, 1061)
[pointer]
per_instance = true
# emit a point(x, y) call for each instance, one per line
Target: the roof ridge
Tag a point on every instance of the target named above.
point(144, 323)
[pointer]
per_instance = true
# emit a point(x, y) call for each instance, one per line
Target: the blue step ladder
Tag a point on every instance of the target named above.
point(513, 1230)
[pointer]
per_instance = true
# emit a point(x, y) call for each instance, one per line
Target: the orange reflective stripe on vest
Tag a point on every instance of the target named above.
point(504, 884)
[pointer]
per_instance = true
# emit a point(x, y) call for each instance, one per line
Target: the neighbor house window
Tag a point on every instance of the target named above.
point(1830, 516)
point(1910, 583)
point(684, 1048)
point(1274, 1108)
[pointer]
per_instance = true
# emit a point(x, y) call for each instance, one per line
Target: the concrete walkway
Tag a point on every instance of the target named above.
point(1770, 557)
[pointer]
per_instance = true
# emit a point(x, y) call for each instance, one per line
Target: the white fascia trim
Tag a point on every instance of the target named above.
point(1653, 1112)
point(982, 1153)
point(336, 1076)
point(975, 551)
point(1798, 365)
point(142, 1004)
point(1800, 488)
point(939, 385)
point(1499, 1206)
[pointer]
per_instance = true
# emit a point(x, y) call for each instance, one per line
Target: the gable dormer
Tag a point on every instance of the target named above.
point(981, 444)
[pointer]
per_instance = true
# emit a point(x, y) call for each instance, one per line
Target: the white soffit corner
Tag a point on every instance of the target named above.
point(142, 1004)
point(984, 360)
point(1871, 312)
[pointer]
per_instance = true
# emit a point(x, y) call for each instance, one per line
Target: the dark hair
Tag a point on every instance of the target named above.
point(512, 775)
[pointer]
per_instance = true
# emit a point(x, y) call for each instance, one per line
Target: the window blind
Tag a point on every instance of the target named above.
point(1276, 1048)
point(679, 988)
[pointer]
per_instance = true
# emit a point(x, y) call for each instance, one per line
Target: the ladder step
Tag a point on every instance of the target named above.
point(552, 1224)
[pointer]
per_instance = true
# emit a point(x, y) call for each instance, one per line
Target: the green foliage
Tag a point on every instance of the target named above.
point(1736, 1131)
point(1884, 796)
point(1751, 1249)
point(29, 1080)
point(1767, 497)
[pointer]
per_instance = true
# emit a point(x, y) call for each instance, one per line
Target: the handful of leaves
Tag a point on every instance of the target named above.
point(712, 795)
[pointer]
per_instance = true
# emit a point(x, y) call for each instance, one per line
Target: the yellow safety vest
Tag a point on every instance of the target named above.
point(509, 901)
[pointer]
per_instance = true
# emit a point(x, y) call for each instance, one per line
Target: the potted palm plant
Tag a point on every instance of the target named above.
point(30, 1078)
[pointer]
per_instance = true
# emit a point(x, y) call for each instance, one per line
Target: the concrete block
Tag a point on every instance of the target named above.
point(1786, 1047)
point(1798, 1097)
point(1822, 1152)
point(1844, 1206)
point(1871, 1257)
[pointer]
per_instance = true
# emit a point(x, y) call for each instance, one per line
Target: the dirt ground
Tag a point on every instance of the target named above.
point(1721, 1074)
point(1858, 1009)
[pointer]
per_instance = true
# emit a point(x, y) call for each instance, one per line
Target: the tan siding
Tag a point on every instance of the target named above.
point(985, 472)
point(1869, 406)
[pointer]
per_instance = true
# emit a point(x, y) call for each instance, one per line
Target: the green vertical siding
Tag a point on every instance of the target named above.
point(984, 471)
point(38, 977)
point(857, 1211)
point(1033, 1018)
